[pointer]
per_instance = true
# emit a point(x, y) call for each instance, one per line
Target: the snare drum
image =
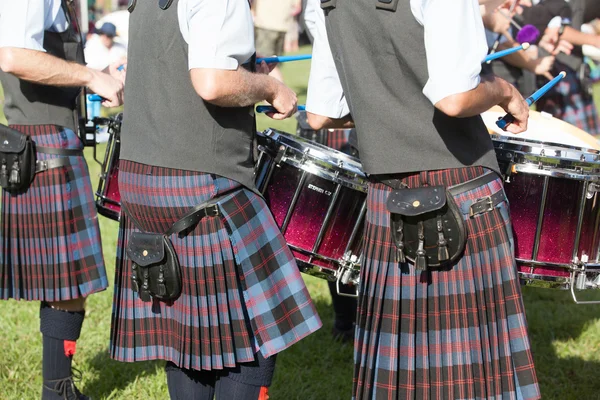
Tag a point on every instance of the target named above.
point(108, 197)
point(318, 198)
point(552, 180)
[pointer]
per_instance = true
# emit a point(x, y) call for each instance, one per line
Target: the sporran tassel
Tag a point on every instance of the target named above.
point(421, 260)
point(443, 254)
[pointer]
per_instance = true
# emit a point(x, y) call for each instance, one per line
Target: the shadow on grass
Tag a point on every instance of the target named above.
point(563, 339)
point(318, 367)
point(114, 376)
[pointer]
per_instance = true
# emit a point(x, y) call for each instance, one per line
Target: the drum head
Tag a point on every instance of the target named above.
point(542, 128)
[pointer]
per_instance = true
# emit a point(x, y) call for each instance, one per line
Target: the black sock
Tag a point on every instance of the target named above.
point(185, 384)
point(57, 327)
point(344, 308)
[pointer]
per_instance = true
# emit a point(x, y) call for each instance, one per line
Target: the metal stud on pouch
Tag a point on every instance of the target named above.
point(145, 253)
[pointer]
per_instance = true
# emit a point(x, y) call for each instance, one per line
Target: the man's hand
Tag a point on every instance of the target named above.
point(111, 89)
point(516, 105)
point(113, 69)
point(285, 102)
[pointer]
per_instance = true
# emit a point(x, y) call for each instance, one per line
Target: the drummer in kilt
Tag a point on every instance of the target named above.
point(51, 249)
point(187, 145)
point(440, 313)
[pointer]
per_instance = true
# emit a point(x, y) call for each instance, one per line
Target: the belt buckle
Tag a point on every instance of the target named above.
point(478, 202)
point(212, 211)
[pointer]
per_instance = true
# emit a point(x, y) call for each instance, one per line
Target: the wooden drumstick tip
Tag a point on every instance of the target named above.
point(525, 45)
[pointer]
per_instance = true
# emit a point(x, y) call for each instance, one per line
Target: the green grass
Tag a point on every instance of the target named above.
point(565, 337)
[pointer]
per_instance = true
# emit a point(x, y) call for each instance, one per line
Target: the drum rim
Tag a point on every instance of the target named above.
point(304, 146)
point(544, 145)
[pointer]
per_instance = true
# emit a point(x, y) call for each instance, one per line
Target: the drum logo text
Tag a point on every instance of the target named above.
point(318, 189)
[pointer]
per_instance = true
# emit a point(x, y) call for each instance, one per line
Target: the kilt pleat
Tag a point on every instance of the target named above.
point(457, 332)
point(51, 245)
point(212, 325)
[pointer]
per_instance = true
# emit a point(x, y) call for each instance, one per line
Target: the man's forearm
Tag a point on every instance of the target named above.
point(238, 88)
point(317, 122)
point(39, 67)
point(579, 38)
point(490, 91)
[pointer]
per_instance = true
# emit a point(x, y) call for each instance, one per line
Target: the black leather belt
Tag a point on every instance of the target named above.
point(44, 165)
point(479, 206)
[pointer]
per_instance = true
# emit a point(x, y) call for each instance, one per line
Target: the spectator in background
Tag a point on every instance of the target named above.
point(101, 50)
point(272, 20)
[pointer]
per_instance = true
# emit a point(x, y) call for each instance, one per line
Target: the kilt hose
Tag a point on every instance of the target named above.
point(242, 290)
point(51, 246)
point(566, 101)
point(449, 333)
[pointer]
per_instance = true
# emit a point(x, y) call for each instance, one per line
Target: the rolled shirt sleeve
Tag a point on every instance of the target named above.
point(219, 33)
point(325, 94)
point(23, 22)
point(455, 45)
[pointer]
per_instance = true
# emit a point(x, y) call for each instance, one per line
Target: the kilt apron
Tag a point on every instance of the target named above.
point(452, 333)
point(242, 291)
point(51, 246)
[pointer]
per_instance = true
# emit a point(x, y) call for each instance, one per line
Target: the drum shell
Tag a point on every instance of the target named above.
point(318, 204)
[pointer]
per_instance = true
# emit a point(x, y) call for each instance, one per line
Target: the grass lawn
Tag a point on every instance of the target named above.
point(565, 337)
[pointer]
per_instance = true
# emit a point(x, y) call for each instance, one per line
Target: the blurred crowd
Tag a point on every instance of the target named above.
point(564, 36)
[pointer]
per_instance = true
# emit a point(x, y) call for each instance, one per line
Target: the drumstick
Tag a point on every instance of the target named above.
point(96, 97)
point(271, 109)
point(508, 119)
point(502, 53)
point(281, 59)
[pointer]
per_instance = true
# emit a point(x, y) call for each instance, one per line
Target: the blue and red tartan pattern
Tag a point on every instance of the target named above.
point(567, 102)
point(242, 291)
point(457, 332)
point(51, 245)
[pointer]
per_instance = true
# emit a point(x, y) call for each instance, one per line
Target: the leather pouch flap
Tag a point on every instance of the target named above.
point(11, 141)
point(417, 201)
point(146, 249)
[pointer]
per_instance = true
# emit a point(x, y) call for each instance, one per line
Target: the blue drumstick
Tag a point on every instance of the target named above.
point(96, 97)
point(266, 109)
point(502, 53)
point(281, 59)
point(509, 119)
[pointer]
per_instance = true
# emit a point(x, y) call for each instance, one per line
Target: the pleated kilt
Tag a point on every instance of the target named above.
point(51, 246)
point(242, 291)
point(567, 102)
point(454, 333)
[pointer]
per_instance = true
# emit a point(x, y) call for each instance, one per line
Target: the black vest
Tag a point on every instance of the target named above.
point(381, 60)
point(29, 103)
point(166, 123)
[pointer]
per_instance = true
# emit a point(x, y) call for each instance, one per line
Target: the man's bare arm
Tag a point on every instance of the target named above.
point(317, 122)
point(39, 67)
point(491, 91)
point(240, 88)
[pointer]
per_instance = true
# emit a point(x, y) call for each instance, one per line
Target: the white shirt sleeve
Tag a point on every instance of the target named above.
point(219, 33)
point(23, 22)
point(455, 45)
point(325, 94)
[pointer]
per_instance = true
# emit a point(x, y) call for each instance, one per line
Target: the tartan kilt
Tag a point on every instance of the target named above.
point(51, 246)
point(242, 290)
point(453, 333)
point(566, 101)
point(337, 138)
